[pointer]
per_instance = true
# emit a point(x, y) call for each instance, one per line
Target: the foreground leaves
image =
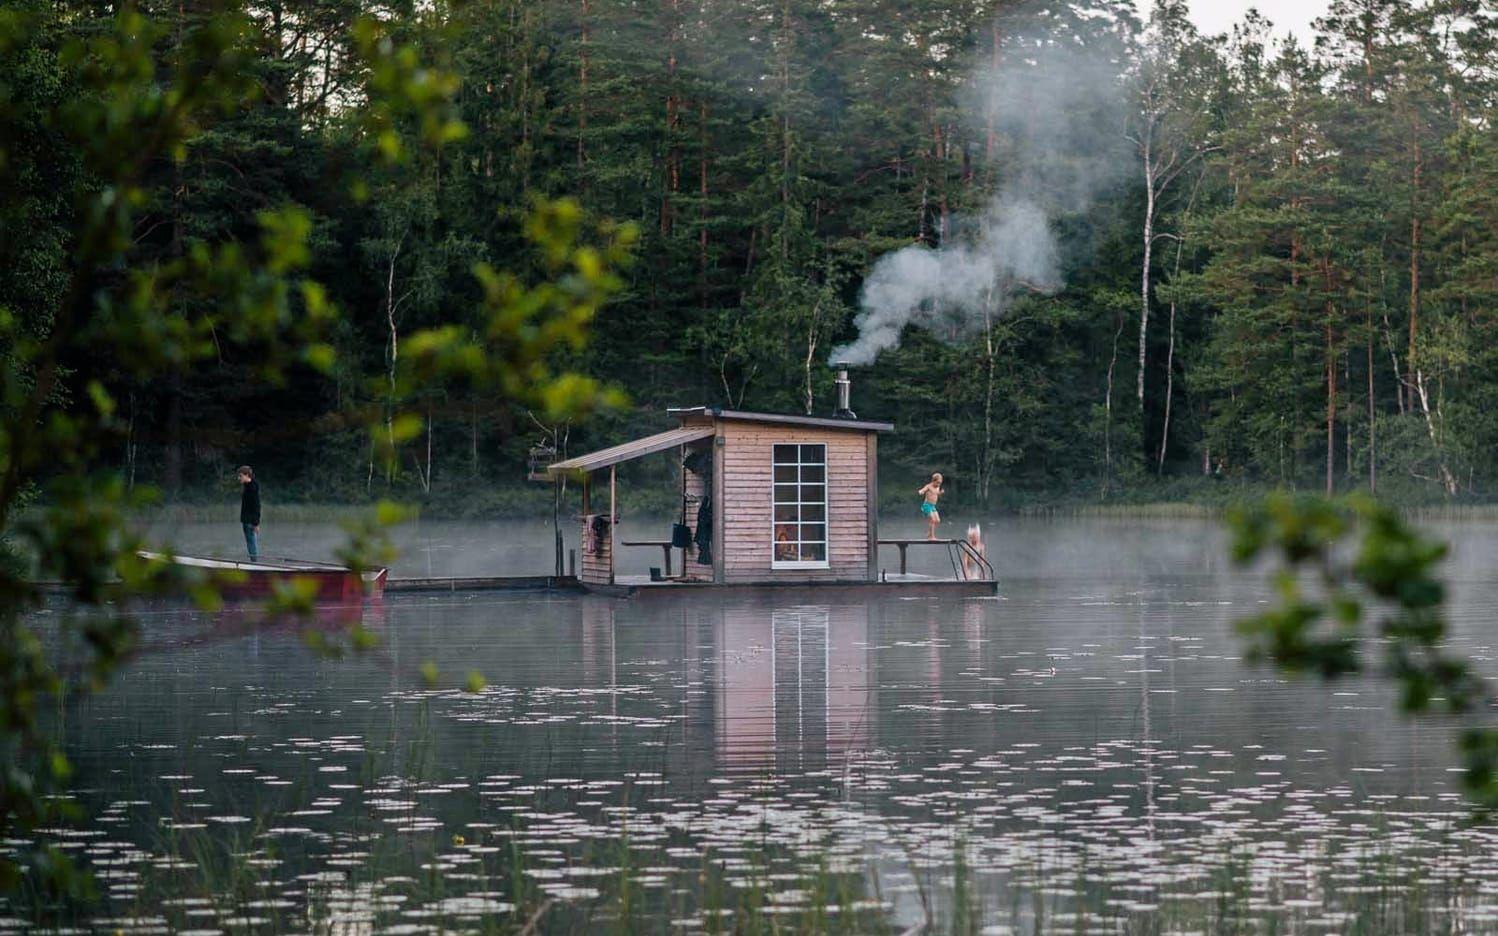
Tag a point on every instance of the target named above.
point(140, 95)
point(1359, 591)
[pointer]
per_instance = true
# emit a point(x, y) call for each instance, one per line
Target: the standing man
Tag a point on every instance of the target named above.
point(249, 510)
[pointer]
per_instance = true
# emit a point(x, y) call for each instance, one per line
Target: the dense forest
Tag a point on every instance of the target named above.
point(1073, 251)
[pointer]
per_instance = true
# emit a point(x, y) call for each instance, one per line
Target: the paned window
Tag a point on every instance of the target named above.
point(800, 532)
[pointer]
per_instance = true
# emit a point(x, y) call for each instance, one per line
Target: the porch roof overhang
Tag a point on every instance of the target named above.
point(633, 449)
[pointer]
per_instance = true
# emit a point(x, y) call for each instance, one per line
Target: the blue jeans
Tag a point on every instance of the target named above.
point(251, 540)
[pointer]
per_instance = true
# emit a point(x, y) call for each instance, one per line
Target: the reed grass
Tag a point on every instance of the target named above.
point(1400, 900)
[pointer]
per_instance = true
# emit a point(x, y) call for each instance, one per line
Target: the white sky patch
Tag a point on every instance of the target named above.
point(1219, 16)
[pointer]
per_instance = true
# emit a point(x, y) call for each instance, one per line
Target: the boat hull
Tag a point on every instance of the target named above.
point(344, 587)
point(251, 581)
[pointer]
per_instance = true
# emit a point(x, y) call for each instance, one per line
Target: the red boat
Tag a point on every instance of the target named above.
point(259, 579)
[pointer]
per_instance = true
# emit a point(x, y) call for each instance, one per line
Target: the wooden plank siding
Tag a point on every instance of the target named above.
point(873, 506)
point(696, 487)
point(747, 497)
point(597, 560)
point(719, 470)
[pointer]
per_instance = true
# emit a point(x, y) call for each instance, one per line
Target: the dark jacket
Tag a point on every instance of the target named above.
point(249, 504)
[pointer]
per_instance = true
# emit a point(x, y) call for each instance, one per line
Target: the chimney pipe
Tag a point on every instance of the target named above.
point(844, 391)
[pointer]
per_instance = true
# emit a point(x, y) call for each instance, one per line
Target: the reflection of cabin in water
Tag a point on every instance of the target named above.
point(766, 499)
point(783, 688)
point(793, 686)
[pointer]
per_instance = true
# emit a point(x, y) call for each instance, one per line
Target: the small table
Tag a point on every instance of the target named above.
point(665, 546)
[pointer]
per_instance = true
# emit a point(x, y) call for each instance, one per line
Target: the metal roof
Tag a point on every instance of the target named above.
point(824, 422)
point(635, 448)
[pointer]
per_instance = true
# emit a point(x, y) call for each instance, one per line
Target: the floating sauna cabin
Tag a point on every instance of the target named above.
point(766, 499)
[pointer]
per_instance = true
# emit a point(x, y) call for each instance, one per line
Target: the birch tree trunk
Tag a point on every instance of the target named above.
point(1422, 393)
point(1412, 359)
point(426, 481)
point(424, 474)
point(812, 329)
point(1400, 382)
point(1149, 243)
point(1108, 411)
point(1170, 351)
point(985, 475)
point(391, 304)
point(1172, 117)
point(1170, 356)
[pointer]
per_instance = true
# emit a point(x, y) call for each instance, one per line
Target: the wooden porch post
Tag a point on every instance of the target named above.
point(556, 520)
point(613, 517)
point(873, 505)
point(720, 570)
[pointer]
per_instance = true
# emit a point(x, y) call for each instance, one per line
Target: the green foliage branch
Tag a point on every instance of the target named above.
point(1359, 589)
point(141, 95)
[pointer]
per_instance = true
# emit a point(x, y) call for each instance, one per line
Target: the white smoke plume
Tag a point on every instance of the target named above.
point(1057, 111)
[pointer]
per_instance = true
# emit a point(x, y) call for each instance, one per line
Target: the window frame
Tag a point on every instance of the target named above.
point(804, 564)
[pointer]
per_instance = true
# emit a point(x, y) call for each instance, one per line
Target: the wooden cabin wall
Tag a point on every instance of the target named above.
point(696, 488)
point(596, 564)
point(745, 514)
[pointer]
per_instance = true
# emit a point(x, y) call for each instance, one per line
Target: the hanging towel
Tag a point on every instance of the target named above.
point(705, 532)
point(600, 528)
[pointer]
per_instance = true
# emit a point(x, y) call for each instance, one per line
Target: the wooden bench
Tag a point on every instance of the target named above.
point(665, 546)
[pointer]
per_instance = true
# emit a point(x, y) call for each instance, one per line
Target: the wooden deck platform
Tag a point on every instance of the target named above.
point(636, 586)
point(633, 586)
point(486, 583)
point(903, 586)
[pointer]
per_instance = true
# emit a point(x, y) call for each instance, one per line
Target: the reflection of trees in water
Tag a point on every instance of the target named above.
point(793, 687)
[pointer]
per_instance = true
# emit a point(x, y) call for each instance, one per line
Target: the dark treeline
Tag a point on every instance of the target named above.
point(1284, 275)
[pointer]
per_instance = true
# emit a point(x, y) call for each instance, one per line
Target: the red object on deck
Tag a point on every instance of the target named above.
point(259, 579)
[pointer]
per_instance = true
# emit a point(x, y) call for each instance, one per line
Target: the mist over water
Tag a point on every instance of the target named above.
point(1026, 547)
point(1095, 725)
point(1056, 114)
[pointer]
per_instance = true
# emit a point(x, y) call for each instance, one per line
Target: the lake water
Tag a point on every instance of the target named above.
point(1085, 753)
